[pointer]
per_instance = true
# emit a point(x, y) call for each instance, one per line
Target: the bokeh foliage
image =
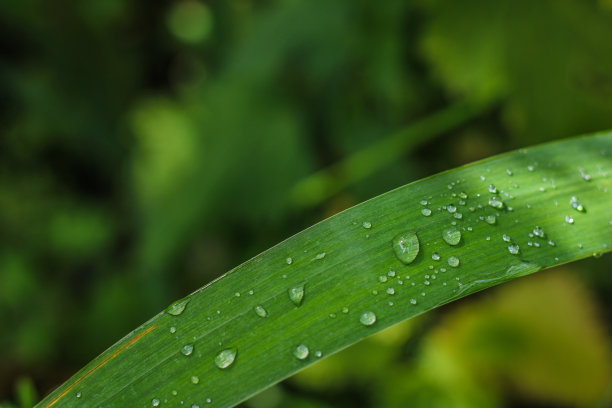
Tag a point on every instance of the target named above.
point(129, 128)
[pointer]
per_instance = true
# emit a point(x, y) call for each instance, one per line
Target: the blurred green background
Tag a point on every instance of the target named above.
point(148, 147)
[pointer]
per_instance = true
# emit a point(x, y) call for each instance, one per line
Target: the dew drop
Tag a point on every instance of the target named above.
point(296, 294)
point(318, 354)
point(569, 219)
point(382, 278)
point(426, 212)
point(289, 260)
point(367, 318)
point(195, 379)
point(367, 225)
point(178, 307)
point(187, 349)
point(390, 291)
point(539, 232)
point(406, 246)
point(320, 255)
point(577, 205)
point(509, 172)
point(492, 189)
point(225, 358)
point(496, 202)
point(451, 208)
point(506, 238)
point(413, 301)
point(453, 261)
point(78, 394)
point(424, 202)
point(172, 329)
point(260, 311)
point(155, 402)
point(435, 256)
point(301, 352)
point(391, 273)
point(513, 249)
point(490, 219)
point(451, 236)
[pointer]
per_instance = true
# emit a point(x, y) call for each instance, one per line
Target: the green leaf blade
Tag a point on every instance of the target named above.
point(347, 269)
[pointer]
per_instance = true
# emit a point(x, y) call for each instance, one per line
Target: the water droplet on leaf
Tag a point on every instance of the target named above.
point(367, 318)
point(225, 358)
point(451, 236)
point(296, 294)
point(301, 352)
point(178, 307)
point(406, 246)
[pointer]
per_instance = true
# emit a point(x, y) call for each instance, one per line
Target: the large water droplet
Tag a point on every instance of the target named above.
point(301, 352)
point(406, 246)
point(225, 358)
point(367, 318)
point(296, 294)
point(187, 349)
point(260, 311)
point(178, 307)
point(451, 236)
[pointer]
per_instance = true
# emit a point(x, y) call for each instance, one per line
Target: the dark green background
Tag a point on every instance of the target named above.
point(148, 147)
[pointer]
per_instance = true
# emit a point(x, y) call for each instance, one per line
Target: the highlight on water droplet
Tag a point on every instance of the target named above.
point(406, 246)
point(187, 349)
point(453, 261)
point(260, 311)
point(367, 318)
point(452, 236)
point(301, 352)
point(225, 358)
point(178, 307)
point(296, 294)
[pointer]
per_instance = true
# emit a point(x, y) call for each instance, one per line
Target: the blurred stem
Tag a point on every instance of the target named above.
point(321, 185)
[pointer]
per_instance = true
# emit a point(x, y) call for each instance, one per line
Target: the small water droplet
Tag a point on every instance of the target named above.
point(390, 291)
point(551, 242)
point(490, 219)
point(289, 260)
point(435, 256)
point(78, 394)
point(569, 219)
point(172, 329)
point(492, 189)
point(451, 236)
point(225, 358)
point(413, 301)
point(208, 400)
point(320, 255)
point(195, 406)
point(424, 202)
point(382, 278)
point(391, 273)
point(509, 172)
point(345, 310)
point(296, 294)
point(406, 246)
point(195, 379)
point(155, 402)
point(301, 352)
point(187, 349)
point(367, 318)
point(496, 202)
point(260, 311)
point(451, 208)
point(453, 261)
point(506, 238)
point(530, 168)
point(539, 232)
point(426, 212)
point(577, 205)
point(318, 354)
point(178, 307)
point(513, 249)
point(366, 224)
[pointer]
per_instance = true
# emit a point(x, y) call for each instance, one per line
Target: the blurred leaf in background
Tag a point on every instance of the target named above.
point(147, 148)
